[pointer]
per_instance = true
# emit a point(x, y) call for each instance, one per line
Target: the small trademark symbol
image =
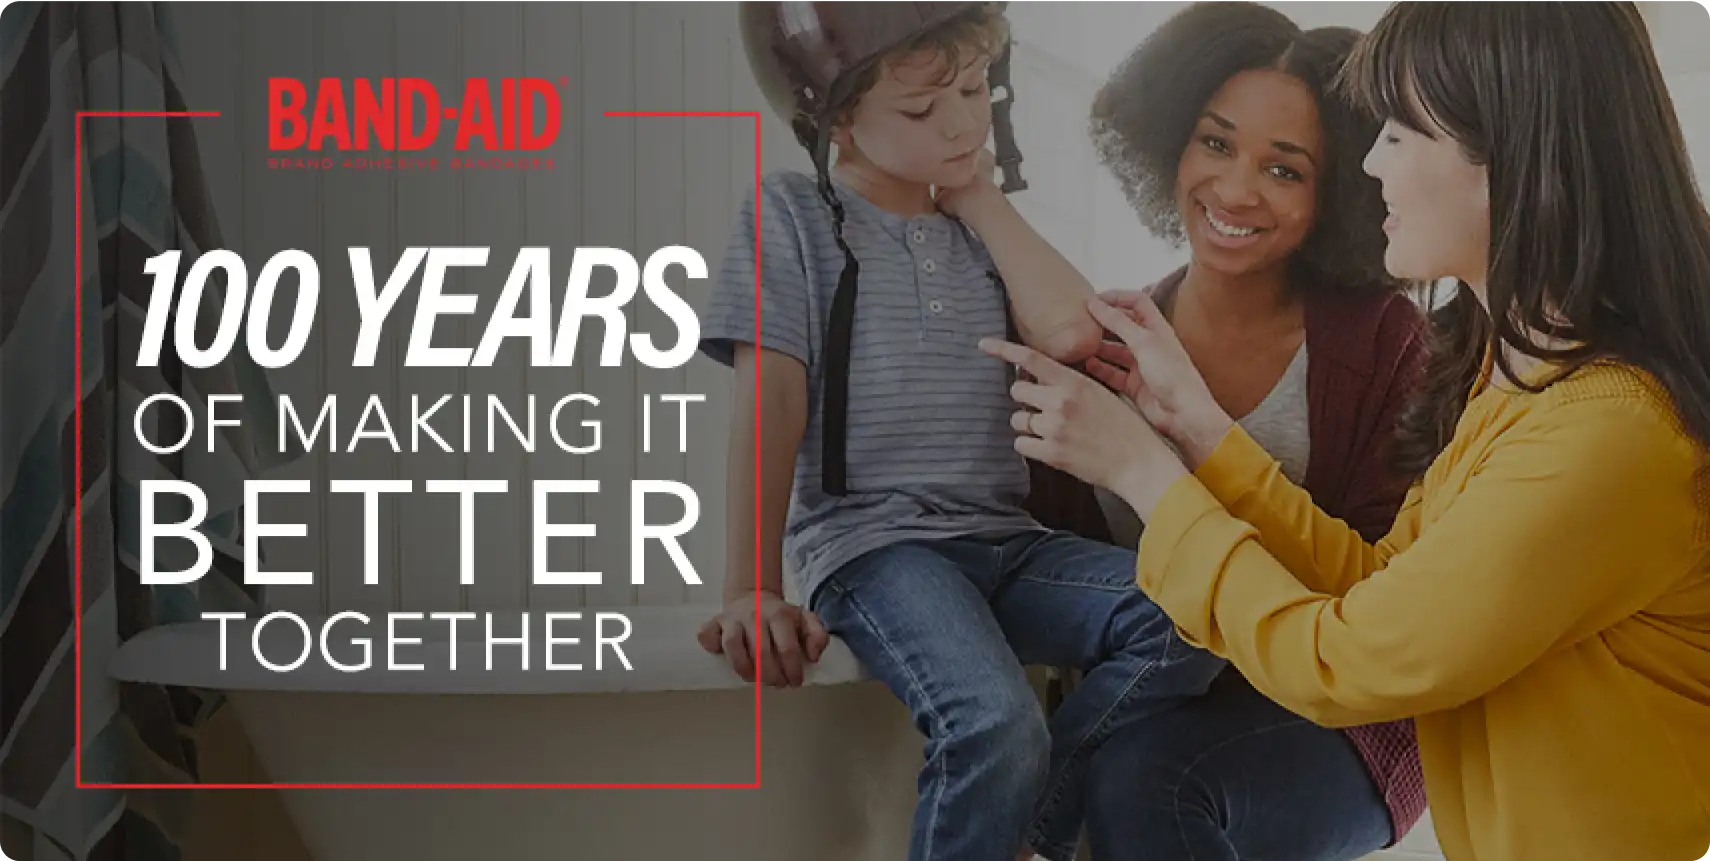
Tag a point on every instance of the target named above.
point(563, 81)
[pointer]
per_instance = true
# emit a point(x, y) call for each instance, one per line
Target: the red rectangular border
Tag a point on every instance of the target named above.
point(77, 501)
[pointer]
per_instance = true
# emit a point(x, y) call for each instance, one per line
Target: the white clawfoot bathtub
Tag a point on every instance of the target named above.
point(839, 756)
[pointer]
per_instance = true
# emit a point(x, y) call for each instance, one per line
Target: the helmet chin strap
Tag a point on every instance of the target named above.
point(834, 428)
point(1003, 131)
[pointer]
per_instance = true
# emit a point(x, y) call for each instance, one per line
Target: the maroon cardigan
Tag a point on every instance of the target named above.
point(1366, 354)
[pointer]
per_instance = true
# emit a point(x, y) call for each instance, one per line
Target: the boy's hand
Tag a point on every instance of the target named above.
point(964, 201)
point(787, 634)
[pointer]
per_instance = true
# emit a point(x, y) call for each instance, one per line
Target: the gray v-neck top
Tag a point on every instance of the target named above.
point(1279, 423)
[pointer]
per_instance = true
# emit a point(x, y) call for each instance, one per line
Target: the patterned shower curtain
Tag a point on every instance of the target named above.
point(142, 193)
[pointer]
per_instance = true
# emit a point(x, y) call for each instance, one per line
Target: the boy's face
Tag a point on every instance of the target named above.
point(921, 125)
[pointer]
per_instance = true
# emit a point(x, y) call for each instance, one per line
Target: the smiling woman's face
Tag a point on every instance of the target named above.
point(1247, 183)
point(1439, 206)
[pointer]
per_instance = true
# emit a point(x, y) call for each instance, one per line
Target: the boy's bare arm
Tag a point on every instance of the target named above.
point(1047, 294)
point(782, 422)
point(787, 637)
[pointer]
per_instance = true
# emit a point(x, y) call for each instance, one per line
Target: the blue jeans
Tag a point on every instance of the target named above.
point(947, 626)
point(1232, 775)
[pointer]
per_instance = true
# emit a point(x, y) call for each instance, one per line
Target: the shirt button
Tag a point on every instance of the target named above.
point(929, 266)
point(936, 306)
point(919, 236)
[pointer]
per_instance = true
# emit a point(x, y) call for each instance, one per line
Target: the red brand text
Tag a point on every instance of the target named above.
point(504, 114)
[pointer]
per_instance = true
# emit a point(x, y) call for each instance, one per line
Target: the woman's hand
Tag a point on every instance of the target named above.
point(1079, 427)
point(1153, 370)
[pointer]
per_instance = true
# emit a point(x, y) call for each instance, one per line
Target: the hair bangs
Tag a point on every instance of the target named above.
point(1400, 71)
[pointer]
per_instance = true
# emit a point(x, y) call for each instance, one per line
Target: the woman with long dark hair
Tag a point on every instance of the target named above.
point(1541, 607)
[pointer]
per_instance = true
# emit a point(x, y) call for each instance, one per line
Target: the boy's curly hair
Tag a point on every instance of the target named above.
point(981, 31)
point(1143, 118)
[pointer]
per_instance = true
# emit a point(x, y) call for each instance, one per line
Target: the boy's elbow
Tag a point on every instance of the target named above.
point(1074, 342)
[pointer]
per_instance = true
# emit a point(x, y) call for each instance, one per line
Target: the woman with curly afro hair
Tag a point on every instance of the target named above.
point(1224, 130)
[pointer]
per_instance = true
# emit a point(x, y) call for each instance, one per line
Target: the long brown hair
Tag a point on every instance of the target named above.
point(1598, 235)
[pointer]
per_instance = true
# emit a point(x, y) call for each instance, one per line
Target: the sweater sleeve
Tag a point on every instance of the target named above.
point(1572, 522)
point(1325, 554)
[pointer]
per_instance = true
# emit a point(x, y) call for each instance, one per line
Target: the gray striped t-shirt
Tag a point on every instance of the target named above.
point(929, 447)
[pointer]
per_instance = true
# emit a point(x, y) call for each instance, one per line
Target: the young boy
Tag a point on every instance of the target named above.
point(903, 523)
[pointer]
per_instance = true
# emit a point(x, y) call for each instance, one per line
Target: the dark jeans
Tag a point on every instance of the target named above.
point(1232, 775)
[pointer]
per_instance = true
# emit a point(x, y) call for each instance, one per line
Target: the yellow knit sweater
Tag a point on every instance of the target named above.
point(1542, 607)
